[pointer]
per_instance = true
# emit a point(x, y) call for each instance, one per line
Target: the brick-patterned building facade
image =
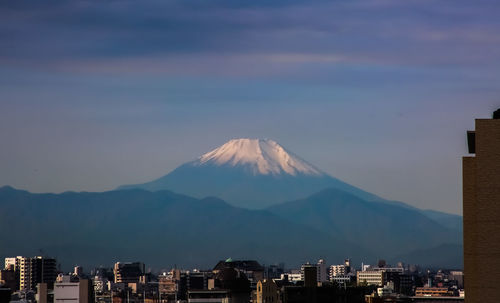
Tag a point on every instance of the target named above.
point(481, 211)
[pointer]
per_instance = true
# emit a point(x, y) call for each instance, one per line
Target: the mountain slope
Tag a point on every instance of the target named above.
point(249, 173)
point(159, 228)
point(449, 220)
point(386, 228)
point(443, 256)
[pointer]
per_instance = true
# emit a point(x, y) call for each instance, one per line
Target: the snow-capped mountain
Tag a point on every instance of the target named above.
point(250, 173)
point(260, 156)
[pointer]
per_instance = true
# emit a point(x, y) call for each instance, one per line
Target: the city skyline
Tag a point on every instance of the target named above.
point(377, 94)
point(229, 280)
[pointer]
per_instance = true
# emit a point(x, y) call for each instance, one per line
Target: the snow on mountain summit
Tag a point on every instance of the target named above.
point(263, 156)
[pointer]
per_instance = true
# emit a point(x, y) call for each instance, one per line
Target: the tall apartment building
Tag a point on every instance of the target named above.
point(321, 271)
point(340, 269)
point(36, 270)
point(309, 273)
point(481, 211)
point(24, 268)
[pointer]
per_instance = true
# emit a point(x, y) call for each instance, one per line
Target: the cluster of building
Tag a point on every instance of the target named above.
point(37, 279)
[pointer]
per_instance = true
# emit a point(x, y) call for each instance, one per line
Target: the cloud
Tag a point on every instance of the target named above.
point(171, 36)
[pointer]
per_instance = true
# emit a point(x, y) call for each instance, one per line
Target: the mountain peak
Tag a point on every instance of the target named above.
point(262, 156)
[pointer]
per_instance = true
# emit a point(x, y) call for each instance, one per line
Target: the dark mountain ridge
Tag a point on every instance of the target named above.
point(160, 228)
point(164, 228)
point(386, 228)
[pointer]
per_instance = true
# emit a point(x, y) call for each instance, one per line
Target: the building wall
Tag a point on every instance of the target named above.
point(66, 292)
point(76, 292)
point(8, 278)
point(322, 271)
point(267, 292)
point(10, 262)
point(481, 213)
point(337, 270)
point(432, 292)
point(371, 277)
point(128, 272)
point(24, 272)
point(41, 293)
point(310, 275)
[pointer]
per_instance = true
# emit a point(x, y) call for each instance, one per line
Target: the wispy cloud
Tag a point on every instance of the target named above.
point(114, 34)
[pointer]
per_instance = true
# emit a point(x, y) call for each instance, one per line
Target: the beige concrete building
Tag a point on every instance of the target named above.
point(481, 211)
point(24, 265)
point(432, 292)
point(267, 292)
point(371, 277)
point(10, 263)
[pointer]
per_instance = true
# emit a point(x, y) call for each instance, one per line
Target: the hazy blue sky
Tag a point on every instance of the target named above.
point(95, 94)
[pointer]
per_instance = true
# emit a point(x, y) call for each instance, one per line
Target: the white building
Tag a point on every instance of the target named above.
point(340, 269)
point(343, 280)
point(67, 291)
point(10, 262)
point(322, 271)
point(337, 270)
point(292, 277)
point(365, 267)
point(387, 290)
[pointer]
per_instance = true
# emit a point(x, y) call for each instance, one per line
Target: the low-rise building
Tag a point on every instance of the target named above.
point(293, 277)
point(129, 272)
point(267, 292)
point(343, 280)
point(251, 268)
point(433, 292)
point(67, 289)
point(8, 278)
point(209, 296)
point(370, 277)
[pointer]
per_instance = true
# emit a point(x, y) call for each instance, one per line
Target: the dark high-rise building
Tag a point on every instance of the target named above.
point(8, 279)
point(36, 270)
point(251, 268)
point(128, 272)
point(481, 211)
point(44, 270)
point(310, 274)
